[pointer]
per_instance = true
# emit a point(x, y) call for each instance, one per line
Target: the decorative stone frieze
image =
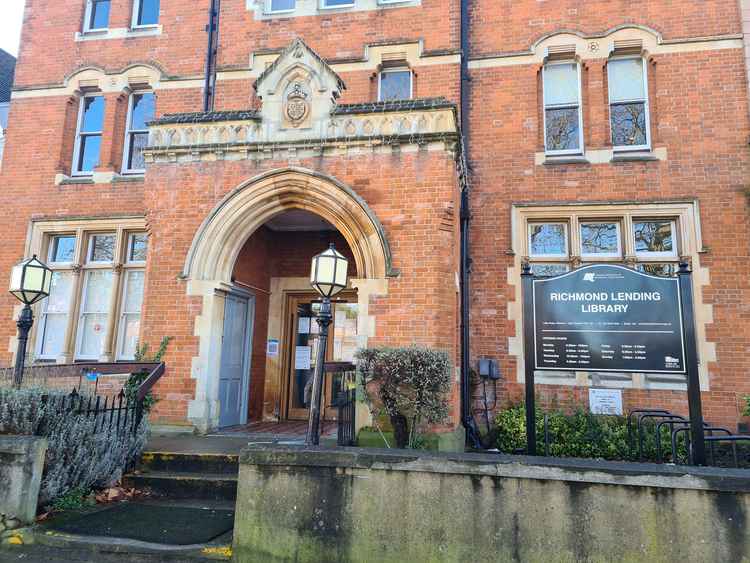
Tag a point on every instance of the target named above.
point(299, 117)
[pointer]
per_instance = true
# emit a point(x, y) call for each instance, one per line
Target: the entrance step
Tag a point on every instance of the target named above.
point(226, 464)
point(185, 485)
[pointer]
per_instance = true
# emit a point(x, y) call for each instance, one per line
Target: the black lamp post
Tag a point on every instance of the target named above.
point(328, 277)
point(29, 282)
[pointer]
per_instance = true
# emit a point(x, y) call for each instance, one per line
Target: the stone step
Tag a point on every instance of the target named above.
point(185, 485)
point(225, 464)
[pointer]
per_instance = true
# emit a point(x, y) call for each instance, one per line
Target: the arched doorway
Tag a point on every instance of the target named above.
point(215, 262)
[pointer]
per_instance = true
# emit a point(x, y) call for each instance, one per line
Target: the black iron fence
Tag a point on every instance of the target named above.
point(119, 413)
point(344, 393)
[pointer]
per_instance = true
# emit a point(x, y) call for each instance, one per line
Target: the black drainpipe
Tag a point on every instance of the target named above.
point(213, 32)
point(467, 419)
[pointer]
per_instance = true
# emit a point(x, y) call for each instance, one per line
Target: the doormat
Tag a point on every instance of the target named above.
point(165, 524)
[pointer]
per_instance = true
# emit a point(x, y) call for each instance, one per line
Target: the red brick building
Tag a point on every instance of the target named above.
point(178, 171)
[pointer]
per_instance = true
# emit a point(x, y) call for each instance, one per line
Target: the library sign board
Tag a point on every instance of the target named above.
point(608, 318)
point(611, 318)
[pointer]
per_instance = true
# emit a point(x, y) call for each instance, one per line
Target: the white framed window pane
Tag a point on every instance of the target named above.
point(548, 270)
point(562, 129)
point(99, 14)
point(548, 239)
point(626, 80)
point(654, 237)
point(129, 331)
point(142, 110)
point(138, 247)
point(88, 158)
point(62, 249)
point(600, 238)
point(53, 334)
point(93, 114)
point(133, 298)
point(335, 3)
point(281, 5)
point(561, 84)
point(395, 85)
point(148, 12)
point(92, 325)
point(628, 124)
point(54, 319)
point(664, 270)
point(137, 142)
point(102, 248)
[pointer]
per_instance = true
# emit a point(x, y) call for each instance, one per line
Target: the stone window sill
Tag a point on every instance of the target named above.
point(636, 156)
point(119, 33)
point(572, 159)
point(97, 178)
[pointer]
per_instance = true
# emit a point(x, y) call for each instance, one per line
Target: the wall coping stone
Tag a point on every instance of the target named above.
point(500, 465)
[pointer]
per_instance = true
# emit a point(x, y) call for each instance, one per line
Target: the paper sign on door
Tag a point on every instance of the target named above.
point(302, 356)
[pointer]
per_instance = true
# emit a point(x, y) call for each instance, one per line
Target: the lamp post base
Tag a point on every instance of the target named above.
point(24, 323)
point(313, 425)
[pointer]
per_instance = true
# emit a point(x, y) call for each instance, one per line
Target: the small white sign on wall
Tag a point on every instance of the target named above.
point(302, 357)
point(605, 401)
point(272, 348)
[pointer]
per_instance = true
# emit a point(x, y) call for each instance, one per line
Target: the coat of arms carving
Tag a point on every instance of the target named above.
point(297, 105)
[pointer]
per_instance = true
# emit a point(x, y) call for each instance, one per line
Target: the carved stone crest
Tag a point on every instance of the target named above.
point(297, 105)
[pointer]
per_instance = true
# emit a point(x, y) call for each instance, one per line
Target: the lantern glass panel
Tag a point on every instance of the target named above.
point(326, 265)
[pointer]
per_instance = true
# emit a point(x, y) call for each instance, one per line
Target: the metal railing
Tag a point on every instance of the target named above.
point(345, 399)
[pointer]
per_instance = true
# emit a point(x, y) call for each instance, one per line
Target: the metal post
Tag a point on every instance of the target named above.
point(527, 279)
point(25, 320)
point(313, 423)
point(691, 360)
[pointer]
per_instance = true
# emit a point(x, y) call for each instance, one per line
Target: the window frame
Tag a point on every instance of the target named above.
point(323, 6)
point(270, 10)
point(392, 70)
point(137, 13)
point(645, 101)
point(564, 257)
point(657, 256)
point(90, 249)
point(129, 131)
point(581, 147)
point(88, 12)
point(74, 170)
point(605, 256)
point(81, 312)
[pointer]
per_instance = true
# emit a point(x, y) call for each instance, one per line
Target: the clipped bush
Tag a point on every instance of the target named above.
point(82, 451)
point(409, 385)
point(580, 434)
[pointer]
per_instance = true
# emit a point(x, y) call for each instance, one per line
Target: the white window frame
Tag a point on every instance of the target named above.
point(656, 256)
point(124, 315)
point(90, 249)
point(79, 323)
point(87, 18)
point(77, 145)
point(323, 5)
point(44, 315)
point(129, 247)
point(393, 1)
point(136, 14)
point(51, 248)
point(644, 100)
point(397, 69)
point(565, 225)
point(581, 149)
point(129, 132)
point(270, 10)
point(600, 255)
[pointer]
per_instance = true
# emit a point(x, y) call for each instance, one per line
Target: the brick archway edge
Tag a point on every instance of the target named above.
point(240, 213)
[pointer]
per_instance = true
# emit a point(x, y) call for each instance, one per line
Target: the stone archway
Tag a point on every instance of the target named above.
point(217, 243)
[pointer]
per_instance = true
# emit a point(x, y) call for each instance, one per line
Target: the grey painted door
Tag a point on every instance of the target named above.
point(234, 377)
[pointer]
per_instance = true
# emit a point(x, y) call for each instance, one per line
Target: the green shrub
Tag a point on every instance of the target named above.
point(746, 412)
point(581, 434)
point(81, 451)
point(410, 385)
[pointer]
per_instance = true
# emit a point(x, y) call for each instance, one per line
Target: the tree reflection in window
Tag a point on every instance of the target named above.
point(562, 129)
point(547, 239)
point(629, 124)
point(600, 238)
point(653, 236)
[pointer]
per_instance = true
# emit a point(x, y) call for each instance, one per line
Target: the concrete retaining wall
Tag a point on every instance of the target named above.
point(21, 466)
point(385, 505)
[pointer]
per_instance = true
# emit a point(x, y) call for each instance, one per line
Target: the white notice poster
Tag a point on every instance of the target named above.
point(605, 401)
point(304, 325)
point(302, 355)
